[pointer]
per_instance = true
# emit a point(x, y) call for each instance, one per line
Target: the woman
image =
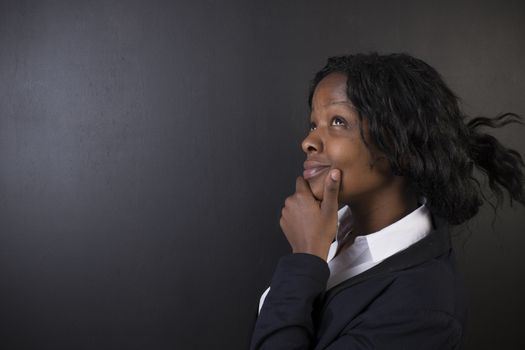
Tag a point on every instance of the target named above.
point(389, 169)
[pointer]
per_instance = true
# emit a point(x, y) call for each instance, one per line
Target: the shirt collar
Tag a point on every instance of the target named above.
point(399, 235)
point(393, 238)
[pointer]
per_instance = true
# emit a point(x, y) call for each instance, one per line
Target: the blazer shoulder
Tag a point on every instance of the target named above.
point(434, 285)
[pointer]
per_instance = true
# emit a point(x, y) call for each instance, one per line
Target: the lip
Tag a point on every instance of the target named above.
point(313, 168)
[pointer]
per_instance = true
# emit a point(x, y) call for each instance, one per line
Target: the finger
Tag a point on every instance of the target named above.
point(331, 191)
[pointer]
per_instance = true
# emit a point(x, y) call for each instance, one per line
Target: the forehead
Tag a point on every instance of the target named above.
point(331, 90)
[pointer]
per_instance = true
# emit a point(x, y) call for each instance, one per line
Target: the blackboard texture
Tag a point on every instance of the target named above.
point(147, 147)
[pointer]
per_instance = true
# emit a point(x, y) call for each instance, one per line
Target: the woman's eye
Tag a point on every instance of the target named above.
point(312, 126)
point(338, 120)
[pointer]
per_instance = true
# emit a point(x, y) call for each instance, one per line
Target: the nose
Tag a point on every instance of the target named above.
point(312, 143)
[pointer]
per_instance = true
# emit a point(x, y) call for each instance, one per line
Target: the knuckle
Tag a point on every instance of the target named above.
point(302, 196)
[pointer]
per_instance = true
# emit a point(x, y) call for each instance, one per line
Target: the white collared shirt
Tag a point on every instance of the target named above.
point(369, 250)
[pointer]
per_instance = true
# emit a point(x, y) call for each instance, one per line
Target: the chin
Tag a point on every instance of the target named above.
point(319, 198)
point(318, 192)
point(317, 187)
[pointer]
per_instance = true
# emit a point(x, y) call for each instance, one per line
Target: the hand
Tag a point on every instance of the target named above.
point(310, 225)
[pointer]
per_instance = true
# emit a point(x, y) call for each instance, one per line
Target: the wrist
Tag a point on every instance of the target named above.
point(321, 252)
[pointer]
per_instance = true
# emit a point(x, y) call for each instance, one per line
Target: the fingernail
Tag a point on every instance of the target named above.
point(334, 174)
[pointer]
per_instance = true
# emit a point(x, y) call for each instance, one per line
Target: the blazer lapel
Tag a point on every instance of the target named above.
point(434, 244)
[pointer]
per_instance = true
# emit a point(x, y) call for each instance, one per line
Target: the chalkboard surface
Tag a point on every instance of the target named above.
point(147, 147)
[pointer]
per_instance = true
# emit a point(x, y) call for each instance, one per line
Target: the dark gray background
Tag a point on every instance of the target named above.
point(147, 147)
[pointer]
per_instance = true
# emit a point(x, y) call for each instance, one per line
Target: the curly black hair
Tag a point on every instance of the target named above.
point(416, 122)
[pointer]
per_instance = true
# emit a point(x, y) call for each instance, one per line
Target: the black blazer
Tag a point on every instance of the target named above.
point(412, 300)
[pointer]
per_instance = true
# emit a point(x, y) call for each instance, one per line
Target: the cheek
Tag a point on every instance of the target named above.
point(361, 179)
point(356, 176)
point(351, 171)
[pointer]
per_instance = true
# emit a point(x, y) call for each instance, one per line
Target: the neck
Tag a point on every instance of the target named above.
point(380, 210)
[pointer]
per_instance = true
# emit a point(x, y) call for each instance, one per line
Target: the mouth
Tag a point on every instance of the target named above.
point(313, 172)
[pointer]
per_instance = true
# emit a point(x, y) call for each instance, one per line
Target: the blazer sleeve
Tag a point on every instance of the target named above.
point(285, 320)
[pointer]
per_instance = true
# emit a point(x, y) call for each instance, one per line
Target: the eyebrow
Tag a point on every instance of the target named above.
point(346, 102)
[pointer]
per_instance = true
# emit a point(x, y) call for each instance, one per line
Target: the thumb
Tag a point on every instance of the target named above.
point(331, 192)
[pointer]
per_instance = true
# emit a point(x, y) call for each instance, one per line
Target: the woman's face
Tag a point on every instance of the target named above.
point(334, 141)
